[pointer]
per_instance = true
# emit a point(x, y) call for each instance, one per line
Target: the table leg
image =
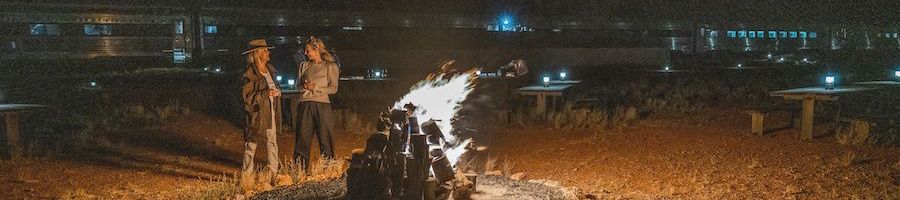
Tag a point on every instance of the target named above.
point(806, 126)
point(13, 138)
point(541, 104)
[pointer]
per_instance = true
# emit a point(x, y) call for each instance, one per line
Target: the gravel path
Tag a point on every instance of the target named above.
point(489, 187)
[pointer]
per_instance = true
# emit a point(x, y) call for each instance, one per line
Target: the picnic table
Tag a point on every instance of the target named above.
point(10, 113)
point(809, 95)
point(541, 92)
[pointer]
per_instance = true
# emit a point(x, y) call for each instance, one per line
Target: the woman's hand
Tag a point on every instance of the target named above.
point(309, 86)
point(274, 93)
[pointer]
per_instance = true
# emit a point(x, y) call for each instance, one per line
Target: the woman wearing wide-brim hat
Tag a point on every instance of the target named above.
point(262, 105)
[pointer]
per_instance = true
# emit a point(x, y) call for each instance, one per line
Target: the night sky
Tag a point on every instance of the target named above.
point(712, 11)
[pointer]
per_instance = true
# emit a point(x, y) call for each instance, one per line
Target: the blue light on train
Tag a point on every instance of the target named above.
point(546, 81)
point(562, 75)
point(291, 82)
point(897, 74)
point(278, 78)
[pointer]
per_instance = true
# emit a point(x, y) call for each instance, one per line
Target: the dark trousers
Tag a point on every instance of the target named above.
point(317, 119)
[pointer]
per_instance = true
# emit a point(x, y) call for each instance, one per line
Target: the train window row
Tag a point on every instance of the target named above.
point(766, 34)
point(72, 29)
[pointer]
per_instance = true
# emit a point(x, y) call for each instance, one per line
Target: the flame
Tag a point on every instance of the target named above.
point(439, 97)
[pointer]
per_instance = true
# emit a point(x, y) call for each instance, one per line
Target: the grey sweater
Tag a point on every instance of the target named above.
point(324, 75)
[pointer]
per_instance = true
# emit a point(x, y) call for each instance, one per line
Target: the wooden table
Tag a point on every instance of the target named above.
point(809, 95)
point(11, 114)
point(541, 92)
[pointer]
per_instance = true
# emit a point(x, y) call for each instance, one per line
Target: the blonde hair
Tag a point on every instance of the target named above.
point(253, 59)
point(318, 45)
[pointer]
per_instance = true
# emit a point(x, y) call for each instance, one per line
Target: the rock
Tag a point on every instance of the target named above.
point(517, 176)
point(493, 173)
point(282, 180)
point(793, 189)
point(754, 164)
point(463, 188)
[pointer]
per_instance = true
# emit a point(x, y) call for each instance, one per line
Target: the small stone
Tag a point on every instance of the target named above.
point(793, 189)
point(754, 164)
point(517, 176)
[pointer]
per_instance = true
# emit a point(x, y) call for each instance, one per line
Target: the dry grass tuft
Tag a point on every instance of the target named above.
point(849, 158)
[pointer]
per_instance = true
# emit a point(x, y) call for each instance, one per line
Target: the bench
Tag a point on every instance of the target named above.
point(758, 115)
point(860, 129)
point(10, 113)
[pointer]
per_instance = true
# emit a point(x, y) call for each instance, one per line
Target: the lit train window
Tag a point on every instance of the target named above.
point(803, 34)
point(782, 34)
point(732, 34)
point(43, 29)
point(751, 34)
point(812, 34)
point(97, 29)
point(773, 34)
point(742, 34)
point(211, 29)
point(179, 27)
point(793, 34)
point(761, 34)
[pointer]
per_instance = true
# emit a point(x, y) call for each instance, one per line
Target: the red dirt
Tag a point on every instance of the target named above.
point(707, 156)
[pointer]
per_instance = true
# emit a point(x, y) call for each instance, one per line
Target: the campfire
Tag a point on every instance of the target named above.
point(417, 153)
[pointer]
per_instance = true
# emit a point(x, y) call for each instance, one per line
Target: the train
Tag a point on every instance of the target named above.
point(188, 34)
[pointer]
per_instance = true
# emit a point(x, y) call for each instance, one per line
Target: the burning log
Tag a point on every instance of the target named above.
point(407, 162)
point(401, 164)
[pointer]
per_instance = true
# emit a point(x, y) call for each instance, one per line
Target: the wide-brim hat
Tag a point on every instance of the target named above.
point(257, 44)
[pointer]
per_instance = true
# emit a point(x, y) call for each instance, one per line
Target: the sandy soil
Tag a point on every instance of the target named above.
point(706, 156)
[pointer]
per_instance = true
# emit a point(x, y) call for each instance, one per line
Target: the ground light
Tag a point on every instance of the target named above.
point(739, 65)
point(218, 69)
point(93, 83)
point(667, 68)
point(829, 82)
point(897, 74)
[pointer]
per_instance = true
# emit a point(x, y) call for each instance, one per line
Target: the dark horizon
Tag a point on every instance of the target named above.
point(878, 12)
